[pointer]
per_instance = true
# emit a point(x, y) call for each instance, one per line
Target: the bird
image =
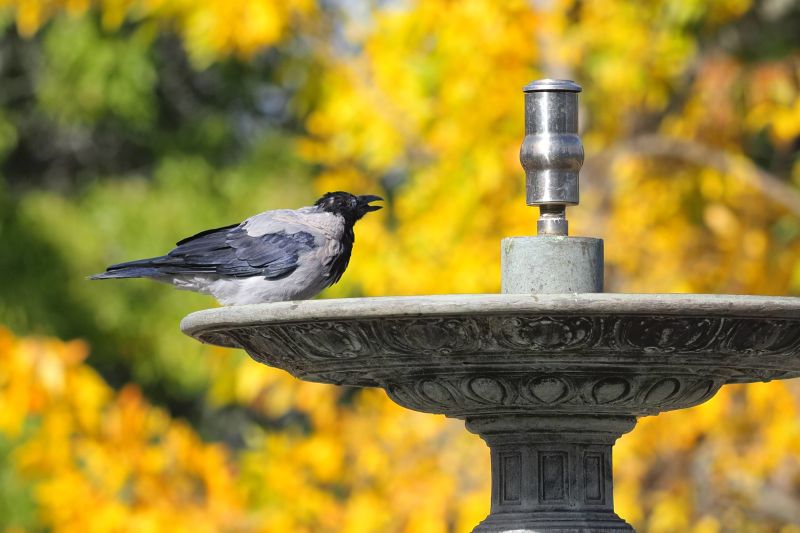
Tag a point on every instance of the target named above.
point(278, 255)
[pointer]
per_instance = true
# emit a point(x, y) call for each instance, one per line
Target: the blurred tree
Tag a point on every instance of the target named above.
point(115, 147)
point(127, 125)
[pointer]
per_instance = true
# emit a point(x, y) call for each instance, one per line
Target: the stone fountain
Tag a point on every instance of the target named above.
point(551, 372)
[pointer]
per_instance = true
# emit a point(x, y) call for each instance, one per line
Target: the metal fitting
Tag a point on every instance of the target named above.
point(552, 152)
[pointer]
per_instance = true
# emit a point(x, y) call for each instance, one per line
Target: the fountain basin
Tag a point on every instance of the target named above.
point(666, 351)
point(548, 381)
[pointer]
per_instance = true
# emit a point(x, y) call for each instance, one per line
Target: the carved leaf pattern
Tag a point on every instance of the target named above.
point(609, 394)
point(462, 365)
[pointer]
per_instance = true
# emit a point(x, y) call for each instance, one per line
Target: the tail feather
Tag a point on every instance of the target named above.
point(142, 268)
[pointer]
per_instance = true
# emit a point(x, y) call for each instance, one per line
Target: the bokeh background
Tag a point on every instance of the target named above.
point(128, 124)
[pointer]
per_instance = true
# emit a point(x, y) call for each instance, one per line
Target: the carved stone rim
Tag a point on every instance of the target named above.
point(722, 305)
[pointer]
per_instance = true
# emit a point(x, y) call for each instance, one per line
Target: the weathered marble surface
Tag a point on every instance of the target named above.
point(548, 381)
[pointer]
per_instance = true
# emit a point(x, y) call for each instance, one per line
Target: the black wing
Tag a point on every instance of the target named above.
point(232, 252)
point(197, 236)
point(226, 251)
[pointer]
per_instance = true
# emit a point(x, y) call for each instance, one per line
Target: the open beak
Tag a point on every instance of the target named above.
point(364, 200)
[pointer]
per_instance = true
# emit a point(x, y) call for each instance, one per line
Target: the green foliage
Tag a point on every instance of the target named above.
point(8, 135)
point(17, 506)
point(59, 240)
point(115, 148)
point(87, 75)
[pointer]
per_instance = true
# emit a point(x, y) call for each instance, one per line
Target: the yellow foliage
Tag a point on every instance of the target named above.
point(105, 461)
point(210, 29)
point(430, 108)
point(84, 447)
point(430, 104)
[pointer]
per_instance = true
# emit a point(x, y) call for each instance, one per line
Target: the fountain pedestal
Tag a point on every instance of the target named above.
point(552, 473)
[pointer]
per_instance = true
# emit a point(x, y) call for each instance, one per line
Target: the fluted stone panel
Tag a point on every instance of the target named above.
point(547, 471)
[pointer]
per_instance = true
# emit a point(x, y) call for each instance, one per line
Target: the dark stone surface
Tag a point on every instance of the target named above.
point(551, 473)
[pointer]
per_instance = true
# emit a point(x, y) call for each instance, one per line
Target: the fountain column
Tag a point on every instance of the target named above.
point(552, 473)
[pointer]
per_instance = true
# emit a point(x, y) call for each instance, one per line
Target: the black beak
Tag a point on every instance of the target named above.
point(365, 199)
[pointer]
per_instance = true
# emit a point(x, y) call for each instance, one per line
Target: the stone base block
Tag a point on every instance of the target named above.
point(549, 265)
point(543, 522)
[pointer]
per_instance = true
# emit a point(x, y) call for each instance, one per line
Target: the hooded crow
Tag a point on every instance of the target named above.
point(270, 257)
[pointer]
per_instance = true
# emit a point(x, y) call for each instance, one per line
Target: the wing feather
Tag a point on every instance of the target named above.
point(268, 244)
point(231, 251)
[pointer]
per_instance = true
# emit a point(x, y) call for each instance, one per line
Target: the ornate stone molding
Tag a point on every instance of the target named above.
point(716, 339)
point(547, 392)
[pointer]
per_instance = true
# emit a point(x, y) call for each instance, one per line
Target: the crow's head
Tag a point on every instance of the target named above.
point(350, 206)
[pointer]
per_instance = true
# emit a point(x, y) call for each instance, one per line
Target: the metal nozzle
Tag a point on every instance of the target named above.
point(552, 152)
